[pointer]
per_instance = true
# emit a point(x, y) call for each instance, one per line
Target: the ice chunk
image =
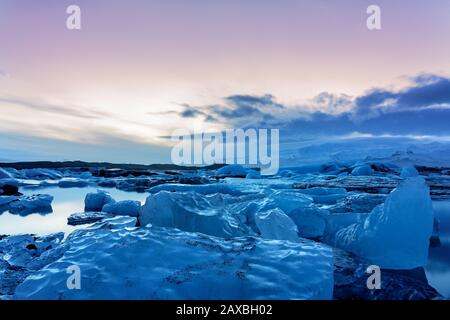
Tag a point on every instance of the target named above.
point(232, 170)
point(96, 201)
point(24, 205)
point(364, 170)
point(325, 195)
point(4, 174)
point(310, 220)
point(42, 174)
point(4, 200)
point(408, 172)
point(252, 174)
point(288, 200)
point(72, 183)
point(86, 217)
point(191, 212)
point(275, 224)
point(358, 202)
point(171, 264)
point(395, 234)
point(200, 189)
point(123, 208)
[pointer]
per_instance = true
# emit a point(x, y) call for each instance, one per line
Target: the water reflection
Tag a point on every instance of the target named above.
point(65, 202)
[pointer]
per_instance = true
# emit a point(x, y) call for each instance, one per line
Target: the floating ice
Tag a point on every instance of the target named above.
point(364, 170)
point(24, 205)
point(200, 189)
point(310, 220)
point(408, 172)
point(86, 217)
point(325, 195)
point(41, 174)
point(4, 174)
point(275, 224)
point(252, 174)
point(191, 212)
point(123, 208)
point(171, 264)
point(395, 234)
point(72, 183)
point(96, 201)
point(232, 170)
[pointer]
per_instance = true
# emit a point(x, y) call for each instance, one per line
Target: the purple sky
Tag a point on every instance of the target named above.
point(122, 79)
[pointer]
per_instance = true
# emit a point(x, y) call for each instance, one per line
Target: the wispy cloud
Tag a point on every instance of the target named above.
point(72, 111)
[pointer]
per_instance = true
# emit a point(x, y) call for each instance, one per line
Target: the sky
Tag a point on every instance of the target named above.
point(138, 70)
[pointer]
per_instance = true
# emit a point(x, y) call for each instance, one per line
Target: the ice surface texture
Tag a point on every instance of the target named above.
point(164, 263)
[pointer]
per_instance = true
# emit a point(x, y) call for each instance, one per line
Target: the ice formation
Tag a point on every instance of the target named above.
point(124, 208)
point(191, 212)
point(232, 170)
point(275, 224)
point(363, 170)
point(119, 262)
point(24, 205)
point(395, 234)
point(408, 172)
point(86, 217)
point(96, 201)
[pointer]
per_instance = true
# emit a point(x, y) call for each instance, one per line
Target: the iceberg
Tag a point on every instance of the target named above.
point(200, 189)
point(123, 208)
point(24, 205)
point(96, 201)
point(191, 212)
point(395, 234)
point(72, 183)
point(408, 172)
point(232, 170)
point(171, 264)
point(79, 218)
point(325, 195)
point(310, 220)
point(41, 174)
point(4, 174)
point(364, 170)
point(275, 224)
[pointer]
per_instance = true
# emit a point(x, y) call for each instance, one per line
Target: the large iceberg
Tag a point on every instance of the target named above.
point(191, 212)
point(171, 264)
point(395, 234)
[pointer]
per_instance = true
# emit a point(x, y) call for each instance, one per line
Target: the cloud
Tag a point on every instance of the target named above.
point(53, 109)
point(426, 92)
point(236, 110)
point(422, 108)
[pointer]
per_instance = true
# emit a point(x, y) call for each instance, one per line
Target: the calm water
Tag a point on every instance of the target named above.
point(438, 268)
point(65, 202)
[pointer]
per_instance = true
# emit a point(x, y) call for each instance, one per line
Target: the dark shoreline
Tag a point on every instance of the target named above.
point(106, 165)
